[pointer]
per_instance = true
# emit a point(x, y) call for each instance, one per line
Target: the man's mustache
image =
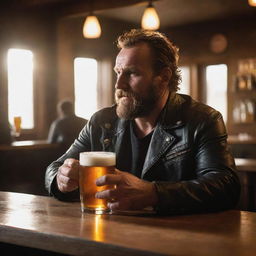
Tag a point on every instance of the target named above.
point(122, 93)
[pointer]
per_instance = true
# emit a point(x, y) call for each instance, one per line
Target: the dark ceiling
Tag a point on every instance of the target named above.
point(171, 12)
point(181, 12)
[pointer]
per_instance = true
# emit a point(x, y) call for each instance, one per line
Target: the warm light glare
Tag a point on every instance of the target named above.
point(150, 19)
point(19, 211)
point(20, 87)
point(185, 80)
point(86, 74)
point(252, 2)
point(216, 88)
point(98, 233)
point(91, 27)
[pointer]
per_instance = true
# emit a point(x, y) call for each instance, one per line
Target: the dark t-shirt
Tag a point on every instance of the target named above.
point(139, 151)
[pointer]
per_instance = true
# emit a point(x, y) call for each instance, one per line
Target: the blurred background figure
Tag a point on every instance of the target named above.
point(66, 128)
point(5, 133)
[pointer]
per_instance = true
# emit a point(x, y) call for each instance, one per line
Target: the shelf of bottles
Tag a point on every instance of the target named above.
point(244, 108)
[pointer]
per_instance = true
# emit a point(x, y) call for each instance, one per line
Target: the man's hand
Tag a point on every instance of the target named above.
point(130, 193)
point(68, 175)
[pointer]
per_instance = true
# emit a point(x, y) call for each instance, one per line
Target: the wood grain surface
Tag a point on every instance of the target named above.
point(45, 223)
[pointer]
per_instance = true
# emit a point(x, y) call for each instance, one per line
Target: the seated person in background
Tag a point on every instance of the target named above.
point(66, 128)
point(172, 151)
point(5, 133)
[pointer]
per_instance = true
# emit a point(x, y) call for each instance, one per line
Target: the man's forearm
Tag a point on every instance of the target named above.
point(203, 194)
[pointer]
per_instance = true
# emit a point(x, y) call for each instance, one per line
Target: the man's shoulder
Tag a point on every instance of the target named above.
point(195, 108)
point(184, 109)
point(205, 111)
point(57, 122)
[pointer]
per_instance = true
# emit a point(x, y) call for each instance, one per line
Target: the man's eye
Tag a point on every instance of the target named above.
point(130, 73)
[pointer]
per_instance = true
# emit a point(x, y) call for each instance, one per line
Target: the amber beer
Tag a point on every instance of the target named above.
point(17, 125)
point(92, 166)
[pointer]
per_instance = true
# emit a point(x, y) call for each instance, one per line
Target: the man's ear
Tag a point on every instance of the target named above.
point(163, 78)
point(166, 75)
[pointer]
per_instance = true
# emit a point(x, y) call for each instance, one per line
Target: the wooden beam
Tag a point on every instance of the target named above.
point(78, 8)
point(64, 8)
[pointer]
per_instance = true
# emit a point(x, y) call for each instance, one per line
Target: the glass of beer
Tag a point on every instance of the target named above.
point(17, 125)
point(93, 165)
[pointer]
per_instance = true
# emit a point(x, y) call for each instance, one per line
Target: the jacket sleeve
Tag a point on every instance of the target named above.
point(80, 145)
point(216, 186)
point(90, 139)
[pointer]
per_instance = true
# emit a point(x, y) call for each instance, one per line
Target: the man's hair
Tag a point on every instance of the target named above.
point(66, 107)
point(165, 53)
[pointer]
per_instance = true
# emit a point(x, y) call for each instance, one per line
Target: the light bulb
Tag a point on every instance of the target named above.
point(150, 19)
point(91, 28)
point(252, 2)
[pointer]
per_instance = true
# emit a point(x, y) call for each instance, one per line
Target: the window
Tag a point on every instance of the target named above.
point(20, 87)
point(216, 88)
point(185, 80)
point(86, 73)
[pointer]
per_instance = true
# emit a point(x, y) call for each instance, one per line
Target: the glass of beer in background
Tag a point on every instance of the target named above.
point(17, 125)
point(93, 165)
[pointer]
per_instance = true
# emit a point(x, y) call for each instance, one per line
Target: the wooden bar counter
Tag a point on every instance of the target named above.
point(45, 223)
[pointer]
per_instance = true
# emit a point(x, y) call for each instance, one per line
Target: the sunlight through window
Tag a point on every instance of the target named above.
point(185, 80)
point(216, 88)
point(85, 70)
point(20, 87)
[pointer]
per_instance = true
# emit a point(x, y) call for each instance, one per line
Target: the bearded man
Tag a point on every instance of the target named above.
point(172, 153)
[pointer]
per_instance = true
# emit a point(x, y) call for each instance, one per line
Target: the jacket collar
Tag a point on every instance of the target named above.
point(171, 117)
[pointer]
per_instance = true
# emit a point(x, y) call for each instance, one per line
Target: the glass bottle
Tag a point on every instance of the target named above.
point(241, 79)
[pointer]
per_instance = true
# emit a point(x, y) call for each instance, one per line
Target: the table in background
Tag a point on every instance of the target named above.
point(246, 169)
point(242, 146)
point(28, 144)
point(45, 223)
point(23, 165)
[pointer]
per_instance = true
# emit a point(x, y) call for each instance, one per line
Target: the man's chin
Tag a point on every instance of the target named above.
point(128, 112)
point(124, 112)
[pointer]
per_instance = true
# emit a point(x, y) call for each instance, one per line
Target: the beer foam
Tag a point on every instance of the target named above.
point(97, 158)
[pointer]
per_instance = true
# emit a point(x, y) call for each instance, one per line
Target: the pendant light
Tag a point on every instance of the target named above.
point(150, 19)
point(91, 28)
point(252, 3)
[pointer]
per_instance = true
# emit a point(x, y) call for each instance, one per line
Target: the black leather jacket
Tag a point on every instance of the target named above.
point(188, 157)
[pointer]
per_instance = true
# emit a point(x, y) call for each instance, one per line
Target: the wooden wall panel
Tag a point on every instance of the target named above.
point(71, 44)
point(35, 32)
point(194, 43)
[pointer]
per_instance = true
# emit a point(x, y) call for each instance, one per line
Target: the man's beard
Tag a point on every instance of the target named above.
point(135, 106)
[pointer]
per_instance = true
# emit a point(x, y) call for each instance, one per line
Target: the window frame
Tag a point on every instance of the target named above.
point(26, 133)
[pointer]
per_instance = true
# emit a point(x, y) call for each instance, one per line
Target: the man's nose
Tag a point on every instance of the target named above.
point(121, 82)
